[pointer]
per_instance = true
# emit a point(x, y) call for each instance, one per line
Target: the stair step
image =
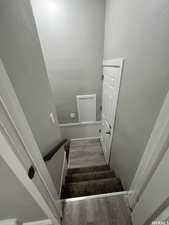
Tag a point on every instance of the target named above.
point(92, 187)
point(78, 177)
point(88, 169)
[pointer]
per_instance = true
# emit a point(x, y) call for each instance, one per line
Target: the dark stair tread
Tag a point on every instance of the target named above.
point(77, 177)
point(88, 169)
point(92, 187)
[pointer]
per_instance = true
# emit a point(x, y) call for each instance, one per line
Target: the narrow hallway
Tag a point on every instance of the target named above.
point(88, 173)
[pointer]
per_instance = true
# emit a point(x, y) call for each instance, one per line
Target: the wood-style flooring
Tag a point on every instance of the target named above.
point(98, 211)
point(86, 153)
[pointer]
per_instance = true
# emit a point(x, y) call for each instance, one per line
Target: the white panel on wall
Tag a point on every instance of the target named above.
point(86, 107)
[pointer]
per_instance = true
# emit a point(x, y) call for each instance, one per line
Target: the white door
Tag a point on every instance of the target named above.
point(14, 127)
point(112, 70)
point(155, 198)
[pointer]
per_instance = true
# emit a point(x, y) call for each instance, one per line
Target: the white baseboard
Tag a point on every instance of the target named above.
point(96, 196)
point(79, 124)
point(40, 222)
point(10, 222)
point(85, 138)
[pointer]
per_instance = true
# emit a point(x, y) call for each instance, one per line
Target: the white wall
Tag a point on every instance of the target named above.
point(79, 130)
point(15, 201)
point(138, 31)
point(72, 38)
point(21, 54)
point(22, 57)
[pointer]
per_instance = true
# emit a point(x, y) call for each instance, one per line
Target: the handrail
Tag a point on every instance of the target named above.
point(50, 154)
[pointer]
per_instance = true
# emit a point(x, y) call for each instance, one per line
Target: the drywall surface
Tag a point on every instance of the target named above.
point(138, 31)
point(77, 130)
point(21, 54)
point(15, 201)
point(72, 38)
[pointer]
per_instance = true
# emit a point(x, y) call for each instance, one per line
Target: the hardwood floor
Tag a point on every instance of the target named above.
point(86, 153)
point(98, 211)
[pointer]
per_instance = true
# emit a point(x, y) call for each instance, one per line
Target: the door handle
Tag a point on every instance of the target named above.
point(108, 132)
point(31, 172)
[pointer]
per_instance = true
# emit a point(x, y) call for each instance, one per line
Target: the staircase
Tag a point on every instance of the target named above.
point(93, 180)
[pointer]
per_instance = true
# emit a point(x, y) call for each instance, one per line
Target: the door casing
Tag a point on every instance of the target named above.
point(112, 72)
point(15, 130)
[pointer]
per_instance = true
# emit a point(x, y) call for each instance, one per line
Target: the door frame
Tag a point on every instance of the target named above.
point(10, 158)
point(154, 152)
point(17, 122)
point(117, 63)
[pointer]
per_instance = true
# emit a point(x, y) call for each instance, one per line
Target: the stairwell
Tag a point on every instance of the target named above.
point(90, 181)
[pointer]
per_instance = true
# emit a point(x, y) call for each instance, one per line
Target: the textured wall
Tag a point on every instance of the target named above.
point(72, 37)
point(138, 31)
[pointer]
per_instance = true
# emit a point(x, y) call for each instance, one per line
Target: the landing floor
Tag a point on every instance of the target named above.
point(99, 211)
point(86, 153)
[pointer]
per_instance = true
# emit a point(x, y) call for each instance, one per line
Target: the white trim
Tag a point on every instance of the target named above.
point(118, 62)
point(16, 166)
point(16, 125)
point(86, 138)
point(10, 222)
point(40, 222)
point(154, 151)
point(96, 196)
point(86, 96)
point(79, 124)
point(81, 130)
point(64, 169)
